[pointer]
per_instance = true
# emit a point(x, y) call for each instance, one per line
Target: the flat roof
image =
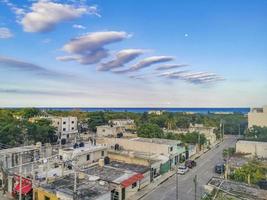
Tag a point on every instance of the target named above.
point(86, 148)
point(109, 174)
point(18, 149)
point(131, 167)
point(158, 141)
point(85, 189)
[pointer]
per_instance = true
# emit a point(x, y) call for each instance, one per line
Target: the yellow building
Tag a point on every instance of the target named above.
point(257, 117)
point(42, 194)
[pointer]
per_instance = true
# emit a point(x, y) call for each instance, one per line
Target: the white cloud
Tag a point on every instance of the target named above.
point(122, 57)
point(78, 26)
point(5, 33)
point(193, 77)
point(45, 15)
point(146, 62)
point(171, 66)
point(89, 48)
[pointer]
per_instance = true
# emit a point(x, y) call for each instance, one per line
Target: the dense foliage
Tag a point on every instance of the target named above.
point(257, 133)
point(253, 171)
point(16, 129)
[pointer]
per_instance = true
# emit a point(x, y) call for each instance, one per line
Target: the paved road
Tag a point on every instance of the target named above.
point(204, 171)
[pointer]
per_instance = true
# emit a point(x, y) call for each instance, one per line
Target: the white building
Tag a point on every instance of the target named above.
point(252, 148)
point(67, 127)
point(83, 155)
point(106, 130)
point(126, 123)
point(257, 117)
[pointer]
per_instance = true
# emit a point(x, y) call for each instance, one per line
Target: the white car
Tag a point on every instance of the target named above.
point(182, 170)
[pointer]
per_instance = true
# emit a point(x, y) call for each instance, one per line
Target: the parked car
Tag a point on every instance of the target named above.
point(219, 168)
point(190, 163)
point(182, 170)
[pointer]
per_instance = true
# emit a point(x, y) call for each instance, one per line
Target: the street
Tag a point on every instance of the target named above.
point(204, 171)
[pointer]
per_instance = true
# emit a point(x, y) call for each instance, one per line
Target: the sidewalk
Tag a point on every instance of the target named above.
point(153, 185)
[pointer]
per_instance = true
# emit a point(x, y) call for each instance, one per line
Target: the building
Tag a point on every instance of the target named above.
point(107, 130)
point(122, 181)
point(66, 127)
point(153, 161)
point(252, 148)
point(128, 124)
point(19, 155)
point(156, 112)
point(63, 189)
point(257, 117)
point(141, 169)
point(234, 190)
point(172, 149)
point(83, 153)
point(208, 132)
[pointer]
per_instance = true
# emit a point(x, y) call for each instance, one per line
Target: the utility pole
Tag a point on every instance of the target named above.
point(195, 182)
point(176, 182)
point(20, 178)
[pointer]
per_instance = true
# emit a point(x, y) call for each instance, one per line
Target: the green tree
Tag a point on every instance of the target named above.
point(150, 130)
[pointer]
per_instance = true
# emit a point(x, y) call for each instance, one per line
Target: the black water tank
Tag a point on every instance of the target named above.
point(75, 146)
point(81, 144)
point(106, 160)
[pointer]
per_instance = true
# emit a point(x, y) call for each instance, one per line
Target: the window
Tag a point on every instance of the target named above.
point(46, 198)
point(171, 148)
point(64, 129)
point(72, 122)
point(72, 128)
point(64, 122)
point(134, 185)
point(88, 157)
point(102, 153)
point(68, 135)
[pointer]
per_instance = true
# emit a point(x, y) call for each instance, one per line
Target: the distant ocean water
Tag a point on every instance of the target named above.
point(141, 110)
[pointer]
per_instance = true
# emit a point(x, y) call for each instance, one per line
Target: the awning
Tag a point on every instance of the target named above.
point(132, 180)
point(26, 185)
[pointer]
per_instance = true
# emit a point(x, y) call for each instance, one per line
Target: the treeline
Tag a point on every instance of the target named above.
point(15, 127)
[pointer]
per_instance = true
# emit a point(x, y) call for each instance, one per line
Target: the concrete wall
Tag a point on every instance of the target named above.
point(253, 148)
point(257, 119)
point(65, 126)
point(138, 145)
point(128, 159)
point(82, 157)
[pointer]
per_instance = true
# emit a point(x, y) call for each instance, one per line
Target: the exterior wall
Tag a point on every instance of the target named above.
point(109, 130)
point(257, 118)
point(40, 194)
point(146, 180)
point(66, 126)
point(138, 145)
point(95, 155)
point(253, 148)
point(127, 123)
point(127, 159)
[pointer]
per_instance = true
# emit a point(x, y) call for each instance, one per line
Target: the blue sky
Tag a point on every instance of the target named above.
point(128, 53)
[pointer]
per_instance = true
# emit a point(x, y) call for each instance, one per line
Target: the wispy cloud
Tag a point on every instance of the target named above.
point(171, 66)
point(5, 33)
point(122, 57)
point(45, 15)
point(90, 48)
point(146, 62)
point(78, 26)
point(193, 77)
point(12, 63)
point(41, 92)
